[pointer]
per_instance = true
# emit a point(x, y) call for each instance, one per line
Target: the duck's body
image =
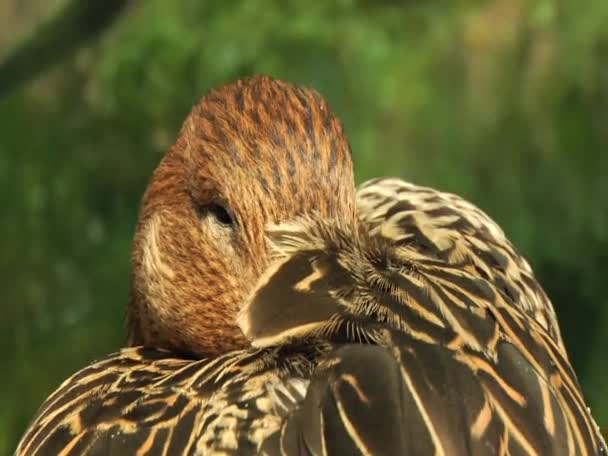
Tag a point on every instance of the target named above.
point(415, 328)
point(432, 345)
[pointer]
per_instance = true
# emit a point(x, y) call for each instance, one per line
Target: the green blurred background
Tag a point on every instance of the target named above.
point(503, 101)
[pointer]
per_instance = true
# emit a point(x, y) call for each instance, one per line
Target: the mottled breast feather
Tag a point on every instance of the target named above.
point(421, 331)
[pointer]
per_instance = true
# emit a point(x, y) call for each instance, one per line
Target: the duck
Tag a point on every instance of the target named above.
point(277, 309)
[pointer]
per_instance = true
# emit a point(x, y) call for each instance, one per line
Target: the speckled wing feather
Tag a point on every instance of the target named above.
point(446, 227)
point(422, 333)
point(448, 345)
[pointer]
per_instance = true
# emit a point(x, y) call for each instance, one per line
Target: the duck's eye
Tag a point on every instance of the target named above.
point(218, 212)
point(221, 214)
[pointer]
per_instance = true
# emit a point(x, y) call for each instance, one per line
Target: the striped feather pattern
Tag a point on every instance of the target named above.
point(421, 332)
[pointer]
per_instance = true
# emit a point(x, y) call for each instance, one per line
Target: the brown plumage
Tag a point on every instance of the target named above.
point(283, 315)
point(253, 149)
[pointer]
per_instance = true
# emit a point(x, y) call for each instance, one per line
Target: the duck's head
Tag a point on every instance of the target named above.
point(250, 154)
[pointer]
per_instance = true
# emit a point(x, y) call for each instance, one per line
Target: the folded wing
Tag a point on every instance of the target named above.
point(446, 344)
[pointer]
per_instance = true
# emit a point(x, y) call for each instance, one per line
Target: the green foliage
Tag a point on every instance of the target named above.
point(503, 101)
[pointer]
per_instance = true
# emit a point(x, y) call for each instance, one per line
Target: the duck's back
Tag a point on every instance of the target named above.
point(424, 334)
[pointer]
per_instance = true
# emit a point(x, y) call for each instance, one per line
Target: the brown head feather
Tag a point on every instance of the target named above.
point(255, 152)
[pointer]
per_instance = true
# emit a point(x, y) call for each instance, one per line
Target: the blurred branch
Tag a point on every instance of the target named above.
point(76, 23)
